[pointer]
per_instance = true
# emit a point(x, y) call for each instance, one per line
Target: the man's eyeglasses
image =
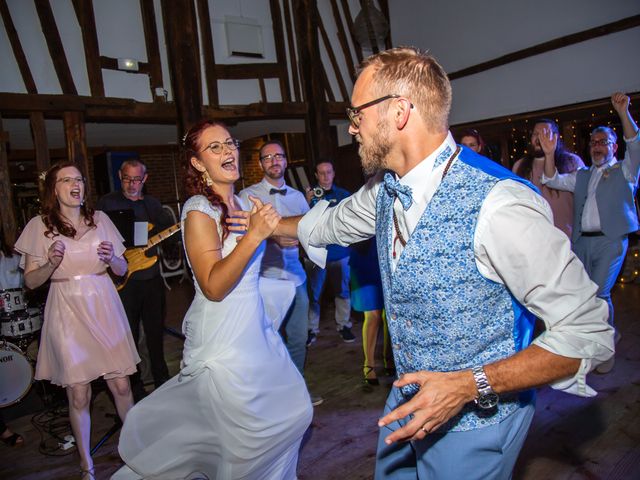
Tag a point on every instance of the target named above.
point(70, 180)
point(602, 143)
point(273, 156)
point(354, 112)
point(218, 147)
point(133, 180)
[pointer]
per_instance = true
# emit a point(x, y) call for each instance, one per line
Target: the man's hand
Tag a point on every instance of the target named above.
point(442, 395)
point(620, 103)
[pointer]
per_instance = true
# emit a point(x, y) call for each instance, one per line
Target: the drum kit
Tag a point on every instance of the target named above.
point(19, 327)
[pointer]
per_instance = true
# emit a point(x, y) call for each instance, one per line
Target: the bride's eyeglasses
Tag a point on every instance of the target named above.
point(218, 147)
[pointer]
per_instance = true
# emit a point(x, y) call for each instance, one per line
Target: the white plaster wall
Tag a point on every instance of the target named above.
point(462, 33)
point(27, 24)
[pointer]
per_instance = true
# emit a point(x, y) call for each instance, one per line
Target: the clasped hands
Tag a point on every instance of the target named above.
point(56, 251)
point(441, 396)
point(262, 220)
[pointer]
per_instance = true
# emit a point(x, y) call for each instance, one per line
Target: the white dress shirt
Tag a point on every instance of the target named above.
point(567, 182)
point(515, 244)
point(280, 262)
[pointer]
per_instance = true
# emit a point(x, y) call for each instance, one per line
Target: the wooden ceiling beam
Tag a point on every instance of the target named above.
point(183, 51)
point(281, 56)
point(342, 38)
point(87, 21)
point(320, 143)
point(292, 50)
point(243, 71)
point(56, 49)
point(607, 29)
point(210, 68)
point(349, 20)
point(334, 64)
point(115, 110)
point(153, 46)
point(16, 46)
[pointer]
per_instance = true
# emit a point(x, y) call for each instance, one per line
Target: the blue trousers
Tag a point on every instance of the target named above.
point(487, 453)
point(295, 326)
point(602, 258)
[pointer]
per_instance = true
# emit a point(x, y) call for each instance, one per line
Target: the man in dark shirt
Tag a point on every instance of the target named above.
point(337, 268)
point(143, 295)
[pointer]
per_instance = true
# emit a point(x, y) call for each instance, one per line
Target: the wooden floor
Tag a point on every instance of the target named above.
point(571, 437)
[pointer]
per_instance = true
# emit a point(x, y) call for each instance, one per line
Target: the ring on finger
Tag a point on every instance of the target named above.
point(424, 429)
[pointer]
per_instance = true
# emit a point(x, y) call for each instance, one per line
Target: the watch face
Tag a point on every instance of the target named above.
point(488, 400)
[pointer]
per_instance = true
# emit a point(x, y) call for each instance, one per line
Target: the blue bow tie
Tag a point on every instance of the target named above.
point(396, 189)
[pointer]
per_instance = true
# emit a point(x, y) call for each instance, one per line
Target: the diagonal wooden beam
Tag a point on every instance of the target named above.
point(281, 56)
point(289, 21)
point(210, 70)
point(86, 19)
point(342, 38)
point(320, 143)
point(56, 49)
point(16, 46)
point(334, 63)
point(153, 49)
point(384, 7)
point(349, 20)
point(607, 29)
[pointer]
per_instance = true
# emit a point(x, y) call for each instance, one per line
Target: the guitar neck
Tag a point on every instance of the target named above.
point(159, 237)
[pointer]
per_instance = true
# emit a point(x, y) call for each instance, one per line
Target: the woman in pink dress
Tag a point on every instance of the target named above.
point(85, 333)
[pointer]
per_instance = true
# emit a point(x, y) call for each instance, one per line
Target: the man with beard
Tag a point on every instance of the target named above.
point(143, 295)
point(337, 272)
point(468, 256)
point(282, 257)
point(604, 211)
point(531, 166)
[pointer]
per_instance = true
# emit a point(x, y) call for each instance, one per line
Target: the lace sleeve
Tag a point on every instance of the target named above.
point(201, 204)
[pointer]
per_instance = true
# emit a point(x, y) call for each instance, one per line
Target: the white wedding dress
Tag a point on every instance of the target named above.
point(239, 407)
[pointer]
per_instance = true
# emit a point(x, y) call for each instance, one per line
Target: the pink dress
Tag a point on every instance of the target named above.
point(85, 334)
point(561, 202)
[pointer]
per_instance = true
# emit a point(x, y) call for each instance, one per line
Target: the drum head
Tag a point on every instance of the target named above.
point(16, 374)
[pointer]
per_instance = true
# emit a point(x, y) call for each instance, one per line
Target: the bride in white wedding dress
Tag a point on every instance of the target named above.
point(239, 407)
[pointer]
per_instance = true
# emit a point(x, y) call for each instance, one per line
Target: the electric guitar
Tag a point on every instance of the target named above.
point(138, 260)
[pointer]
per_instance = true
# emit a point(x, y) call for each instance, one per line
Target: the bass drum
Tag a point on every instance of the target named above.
point(16, 374)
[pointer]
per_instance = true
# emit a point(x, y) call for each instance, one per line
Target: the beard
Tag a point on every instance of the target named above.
point(373, 157)
point(274, 174)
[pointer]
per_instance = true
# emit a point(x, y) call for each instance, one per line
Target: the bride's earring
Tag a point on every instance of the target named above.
point(207, 179)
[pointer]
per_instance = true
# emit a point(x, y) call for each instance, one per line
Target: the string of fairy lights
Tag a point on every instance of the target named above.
point(520, 134)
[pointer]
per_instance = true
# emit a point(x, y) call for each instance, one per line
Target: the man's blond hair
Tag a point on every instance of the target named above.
point(416, 75)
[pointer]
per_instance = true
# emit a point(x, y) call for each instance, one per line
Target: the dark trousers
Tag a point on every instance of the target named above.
point(144, 301)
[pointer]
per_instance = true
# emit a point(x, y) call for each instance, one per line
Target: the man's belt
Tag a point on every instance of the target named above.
point(592, 234)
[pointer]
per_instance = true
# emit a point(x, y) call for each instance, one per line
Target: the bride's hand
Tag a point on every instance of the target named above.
point(263, 220)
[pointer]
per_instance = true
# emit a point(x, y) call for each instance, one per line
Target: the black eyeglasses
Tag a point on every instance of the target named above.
point(218, 147)
point(271, 157)
point(354, 112)
point(133, 180)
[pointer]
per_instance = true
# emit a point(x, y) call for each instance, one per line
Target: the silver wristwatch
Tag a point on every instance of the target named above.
point(486, 398)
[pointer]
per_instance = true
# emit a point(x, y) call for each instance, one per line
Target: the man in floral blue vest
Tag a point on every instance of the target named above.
point(468, 256)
